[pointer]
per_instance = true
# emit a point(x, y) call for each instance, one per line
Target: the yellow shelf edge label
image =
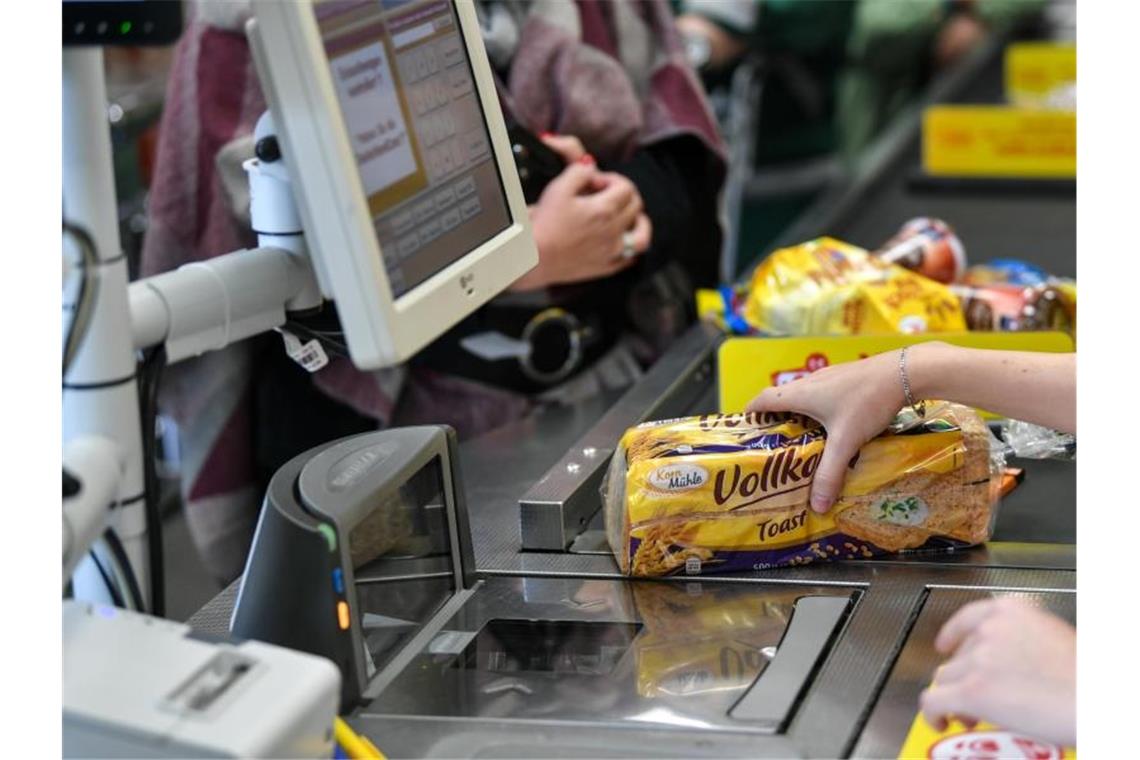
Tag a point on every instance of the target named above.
point(999, 141)
point(1036, 72)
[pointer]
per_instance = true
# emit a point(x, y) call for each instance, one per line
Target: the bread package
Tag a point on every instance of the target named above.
point(828, 287)
point(722, 493)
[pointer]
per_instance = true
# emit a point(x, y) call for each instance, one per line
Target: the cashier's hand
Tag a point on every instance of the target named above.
point(579, 224)
point(1012, 665)
point(855, 401)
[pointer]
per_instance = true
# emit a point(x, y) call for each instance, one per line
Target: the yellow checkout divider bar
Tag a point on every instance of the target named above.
point(748, 365)
point(354, 745)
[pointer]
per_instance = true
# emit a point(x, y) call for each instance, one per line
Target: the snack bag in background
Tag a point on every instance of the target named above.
point(1005, 272)
point(1067, 290)
point(730, 492)
point(1012, 308)
point(723, 307)
point(1005, 294)
point(827, 287)
point(927, 246)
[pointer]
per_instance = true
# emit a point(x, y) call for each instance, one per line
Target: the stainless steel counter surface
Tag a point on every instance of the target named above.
point(1036, 525)
point(514, 714)
point(1033, 553)
point(914, 668)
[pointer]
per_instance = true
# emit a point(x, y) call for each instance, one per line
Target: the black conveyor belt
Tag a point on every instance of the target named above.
point(1032, 221)
point(1038, 225)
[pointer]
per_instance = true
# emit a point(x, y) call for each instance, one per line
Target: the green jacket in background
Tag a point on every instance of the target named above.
point(888, 55)
point(839, 70)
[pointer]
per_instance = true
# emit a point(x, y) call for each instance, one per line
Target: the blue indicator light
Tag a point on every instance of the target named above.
point(338, 580)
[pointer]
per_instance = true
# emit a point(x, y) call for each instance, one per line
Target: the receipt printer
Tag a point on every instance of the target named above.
point(140, 686)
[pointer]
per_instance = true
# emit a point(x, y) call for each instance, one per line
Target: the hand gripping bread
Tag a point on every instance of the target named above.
point(730, 492)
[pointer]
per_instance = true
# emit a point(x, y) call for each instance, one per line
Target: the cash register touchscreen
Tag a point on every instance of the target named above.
point(422, 150)
point(408, 196)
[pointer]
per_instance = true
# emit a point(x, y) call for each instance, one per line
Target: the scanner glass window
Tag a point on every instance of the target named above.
point(402, 560)
point(549, 646)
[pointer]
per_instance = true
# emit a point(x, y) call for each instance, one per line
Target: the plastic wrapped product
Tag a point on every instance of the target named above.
point(927, 246)
point(1067, 290)
point(1005, 272)
point(1009, 294)
point(1028, 441)
point(827, 287)
point(725, 493)
point(1013, 308)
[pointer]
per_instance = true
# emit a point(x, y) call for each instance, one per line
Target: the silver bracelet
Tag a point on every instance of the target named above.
point(905, 379)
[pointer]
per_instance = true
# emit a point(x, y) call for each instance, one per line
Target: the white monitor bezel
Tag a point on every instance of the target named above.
point(380, 330)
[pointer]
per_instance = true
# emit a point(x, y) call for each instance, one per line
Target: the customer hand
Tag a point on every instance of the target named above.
point(855, 402)
point(724, 47)
point(579, 223)
point(568, 147)
point(957, 37)
point(1012, 665)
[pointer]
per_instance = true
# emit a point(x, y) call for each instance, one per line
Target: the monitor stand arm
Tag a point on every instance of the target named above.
point(208, 305)
point(202, 306)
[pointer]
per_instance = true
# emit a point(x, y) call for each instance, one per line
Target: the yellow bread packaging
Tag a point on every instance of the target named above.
point(827, 287)
point(723, 493)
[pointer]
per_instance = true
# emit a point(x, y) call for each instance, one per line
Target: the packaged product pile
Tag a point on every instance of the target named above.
point(723, 493)
point(1012, 295)
point(827, 287)
point(916, 282)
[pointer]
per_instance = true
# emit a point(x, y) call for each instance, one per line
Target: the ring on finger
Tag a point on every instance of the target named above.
point(627, 249)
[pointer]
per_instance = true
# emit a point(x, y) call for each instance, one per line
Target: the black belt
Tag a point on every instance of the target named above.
point(559, 342)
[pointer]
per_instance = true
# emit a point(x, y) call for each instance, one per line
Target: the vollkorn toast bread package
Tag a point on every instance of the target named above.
point(723, 493)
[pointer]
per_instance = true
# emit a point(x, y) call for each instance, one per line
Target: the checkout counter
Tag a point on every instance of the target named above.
point(550, 652)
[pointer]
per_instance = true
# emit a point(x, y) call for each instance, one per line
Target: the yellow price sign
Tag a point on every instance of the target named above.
point(748, 365)
point(982, 742)
point(999, 141)
point(1035, 72)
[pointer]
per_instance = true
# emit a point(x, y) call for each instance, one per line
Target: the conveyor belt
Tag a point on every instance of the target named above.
point(1036, 222)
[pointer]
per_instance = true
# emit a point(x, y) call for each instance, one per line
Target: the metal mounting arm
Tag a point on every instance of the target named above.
point(201, 307)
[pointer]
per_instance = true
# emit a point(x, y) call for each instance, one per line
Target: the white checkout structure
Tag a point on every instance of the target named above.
point(383, 188)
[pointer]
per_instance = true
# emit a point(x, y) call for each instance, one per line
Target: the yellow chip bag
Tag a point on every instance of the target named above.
point(730, 492)
point(828, 287)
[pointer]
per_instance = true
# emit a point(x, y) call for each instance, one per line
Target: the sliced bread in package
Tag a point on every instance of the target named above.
point(721, 493)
